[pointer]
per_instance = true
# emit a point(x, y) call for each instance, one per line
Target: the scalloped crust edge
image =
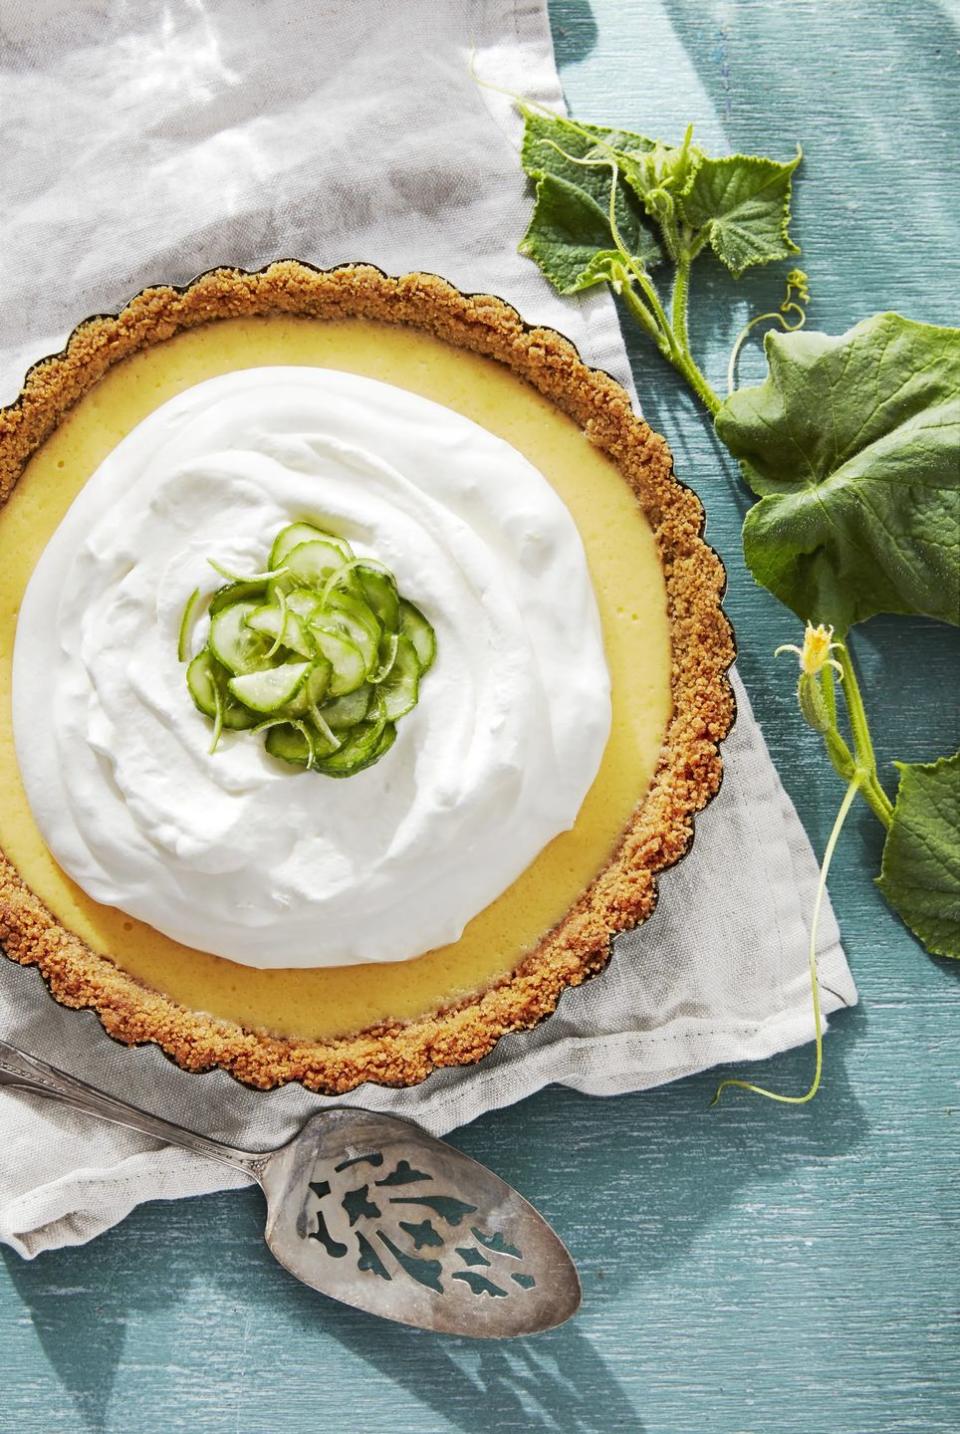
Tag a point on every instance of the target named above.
point(661, 830)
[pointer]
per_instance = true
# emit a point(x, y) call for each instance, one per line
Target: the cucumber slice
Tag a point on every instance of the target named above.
point(365, 745)
point(312, 564)
point(314, 690)
point(217, 722)
point(344, 712)
point(286, 629)
point(290, 740)
point(207, 680)
point(380, 591)
point(233, 577)
point(291, 537)
point(388, 656)
point(303, 602)
point(289, 744)
point(234, 592)
point(401, 688)
point(295, 741)
point(186, 625)
point(270, 689)
point(346, 659)
point(201, 683)
point(330, 739)
point(350, 615)
point(387, 738)
point(234, 643)
point(343, 764)
point(414, 625)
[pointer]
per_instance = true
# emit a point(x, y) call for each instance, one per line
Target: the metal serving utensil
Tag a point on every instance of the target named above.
point(373, 1211)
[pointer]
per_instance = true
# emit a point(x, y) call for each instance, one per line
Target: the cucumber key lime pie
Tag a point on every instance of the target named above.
point(361, 664)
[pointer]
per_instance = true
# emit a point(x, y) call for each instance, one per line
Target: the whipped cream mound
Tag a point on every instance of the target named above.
point(239, 854)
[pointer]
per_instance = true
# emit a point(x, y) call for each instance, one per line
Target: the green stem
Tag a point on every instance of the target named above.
point(697, 381)
point(841, 757)
point(829, 692)
point(644, 317)
point(682, 359)
point(653, 299)
point(866, 760)
point(739, 342)
point(814, 1086)
point(681, 286)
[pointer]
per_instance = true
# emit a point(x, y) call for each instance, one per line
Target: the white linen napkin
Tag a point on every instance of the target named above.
point(142, 144)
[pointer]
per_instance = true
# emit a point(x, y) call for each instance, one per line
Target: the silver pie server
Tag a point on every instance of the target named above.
point(373, 1211)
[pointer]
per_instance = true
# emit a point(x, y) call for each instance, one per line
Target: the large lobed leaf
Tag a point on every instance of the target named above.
point(920, 874)
point(853, 444)
point(570, 223)
point(743, 203)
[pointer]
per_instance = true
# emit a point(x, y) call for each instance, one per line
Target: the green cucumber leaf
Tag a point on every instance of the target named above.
point(543, 131)
point(742, 202)
point(549, 139)
point(567, 230)
point(852, 444)
point(920, 872)
point(570, 220)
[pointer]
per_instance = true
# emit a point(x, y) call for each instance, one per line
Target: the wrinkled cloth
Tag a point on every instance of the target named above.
point(143, 144)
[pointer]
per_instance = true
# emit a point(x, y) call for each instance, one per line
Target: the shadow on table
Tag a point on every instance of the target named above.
point(79, 1301)
point(632, 1183)
point(574, 30)
point(664, 1168)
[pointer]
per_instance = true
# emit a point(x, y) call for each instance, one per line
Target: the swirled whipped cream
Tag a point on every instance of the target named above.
point(236, 853)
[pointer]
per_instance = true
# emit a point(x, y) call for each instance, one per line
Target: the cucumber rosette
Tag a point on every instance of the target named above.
point(318, 652)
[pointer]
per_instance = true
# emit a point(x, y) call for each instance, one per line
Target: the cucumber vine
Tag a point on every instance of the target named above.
point(850, 445)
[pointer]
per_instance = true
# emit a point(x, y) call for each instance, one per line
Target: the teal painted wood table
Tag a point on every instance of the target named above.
point(750, 1269)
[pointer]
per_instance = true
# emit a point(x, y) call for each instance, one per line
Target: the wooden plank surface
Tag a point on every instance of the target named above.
point(748, 1270)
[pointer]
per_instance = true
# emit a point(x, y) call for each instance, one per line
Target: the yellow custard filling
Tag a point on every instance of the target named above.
point(628, 581)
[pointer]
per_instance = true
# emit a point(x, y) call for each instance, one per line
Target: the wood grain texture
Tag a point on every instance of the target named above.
point(748, 1270)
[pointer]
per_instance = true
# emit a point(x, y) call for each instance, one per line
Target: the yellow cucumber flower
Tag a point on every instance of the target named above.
point(818, 644)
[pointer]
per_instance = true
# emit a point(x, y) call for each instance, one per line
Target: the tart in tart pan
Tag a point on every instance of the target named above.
point(668, 646)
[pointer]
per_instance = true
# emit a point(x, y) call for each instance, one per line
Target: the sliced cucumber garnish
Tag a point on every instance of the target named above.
point(202, 682)
point(348, 662)
point(350, 616)
point(303, 602)
point(289, 538)
point(314, 691)
point(345, 712)
point(380, 591)
point(284, 626)
point(207, 681)
point(311, 564)
point(233, 577)
point(400, 688)
point(318, 652)
point(234, 643)
point(360, 749)
point(235, 592)
point(297, 741)
point(414, 625)
point(289, 743)
point(186, 625)
point(270, 689)
point(388, 656)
